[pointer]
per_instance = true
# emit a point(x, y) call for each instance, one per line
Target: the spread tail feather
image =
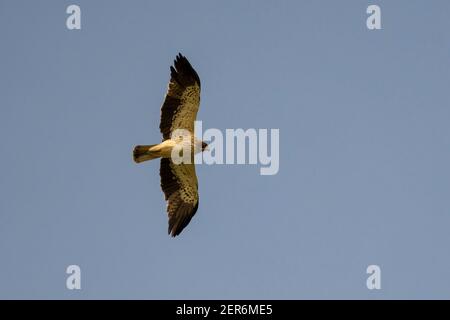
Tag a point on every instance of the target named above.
point(143, 153)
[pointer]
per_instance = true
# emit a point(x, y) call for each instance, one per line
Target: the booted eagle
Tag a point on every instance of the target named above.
point(179, 111)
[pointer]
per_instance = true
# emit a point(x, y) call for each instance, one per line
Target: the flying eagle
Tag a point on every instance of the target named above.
point(179, 111)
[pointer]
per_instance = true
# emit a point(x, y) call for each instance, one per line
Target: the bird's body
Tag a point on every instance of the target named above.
point(166, 148)
point(178, 113)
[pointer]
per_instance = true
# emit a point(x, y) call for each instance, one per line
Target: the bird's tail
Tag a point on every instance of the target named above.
point(144, 153)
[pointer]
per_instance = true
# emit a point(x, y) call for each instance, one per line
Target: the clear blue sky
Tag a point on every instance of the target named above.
point(364, 154)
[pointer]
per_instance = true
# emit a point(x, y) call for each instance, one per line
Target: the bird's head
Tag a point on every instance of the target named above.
point(204, 146)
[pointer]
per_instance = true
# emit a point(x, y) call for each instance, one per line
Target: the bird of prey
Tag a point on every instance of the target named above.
point(179, 111)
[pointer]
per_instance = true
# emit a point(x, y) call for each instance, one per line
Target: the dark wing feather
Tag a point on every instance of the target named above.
point(182, 101)
point(180, 187)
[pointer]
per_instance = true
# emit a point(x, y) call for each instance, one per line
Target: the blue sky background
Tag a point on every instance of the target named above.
point(364, 153)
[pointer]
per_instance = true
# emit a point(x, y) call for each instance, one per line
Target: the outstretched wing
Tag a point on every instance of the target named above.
point(182, 101)
point(180, 187)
